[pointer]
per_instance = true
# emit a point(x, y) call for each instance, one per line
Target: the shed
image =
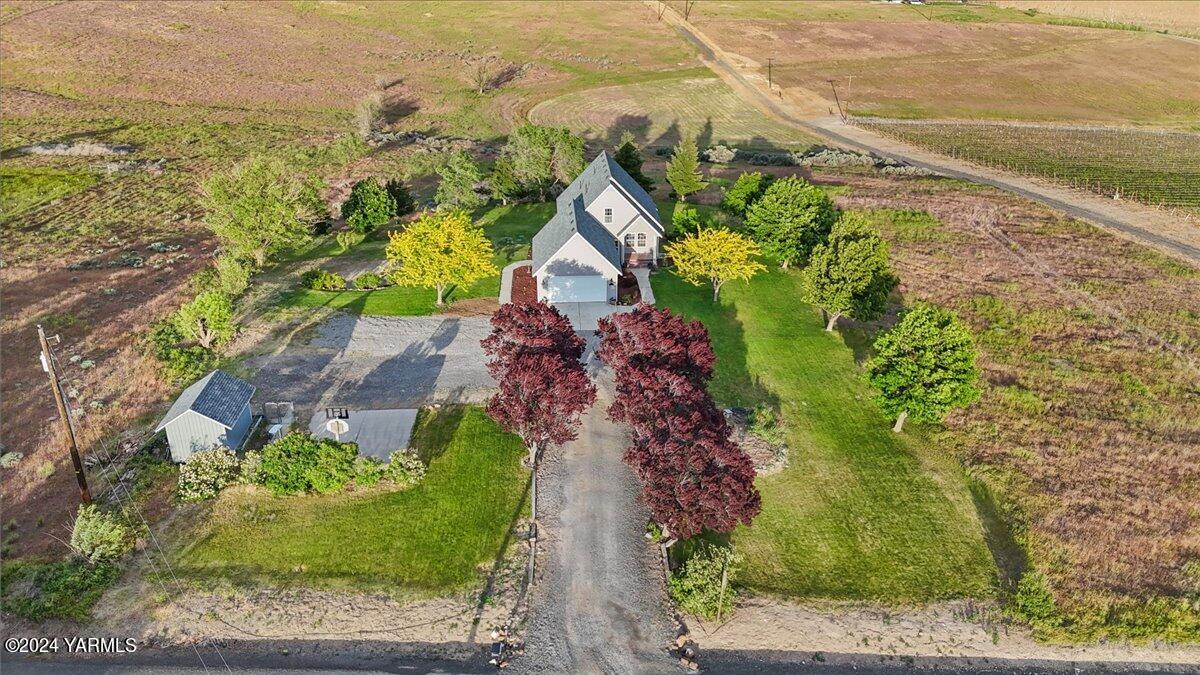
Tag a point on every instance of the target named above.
point(214, 411)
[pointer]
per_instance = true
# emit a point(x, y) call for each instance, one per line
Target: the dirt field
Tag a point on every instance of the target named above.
point(903, 65)
point(1177, 17)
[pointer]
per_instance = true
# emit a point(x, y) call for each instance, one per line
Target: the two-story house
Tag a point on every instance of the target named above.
point(604, 223)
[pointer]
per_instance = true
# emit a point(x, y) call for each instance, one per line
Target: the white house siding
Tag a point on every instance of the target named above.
point(574, 259)
point(640, 226)
point(623, 210)
point(192, 432)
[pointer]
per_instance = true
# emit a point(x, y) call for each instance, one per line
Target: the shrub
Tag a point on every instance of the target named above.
point(206, 473)
point(251, 469)
point(368, 471)
point(323, 280)
point(404, 468)
point(401, 196)
point(347, 239)
point(720, 154)
point(233, 275)
point(685, 220)
point(298, 462)
point(98, 537)
point(334, 466)
point(368, 206)
point(368, 280)
point(696, 587)
point(765, 423)
point(58, 590)
point(181, 364)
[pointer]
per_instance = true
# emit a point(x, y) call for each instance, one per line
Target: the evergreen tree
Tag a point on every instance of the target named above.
point(683, 171)
point(629, 157)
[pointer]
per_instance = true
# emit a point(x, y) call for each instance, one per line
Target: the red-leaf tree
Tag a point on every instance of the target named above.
point(647, 337)
point(531, 327)
point(543, 386)
point(694, 478)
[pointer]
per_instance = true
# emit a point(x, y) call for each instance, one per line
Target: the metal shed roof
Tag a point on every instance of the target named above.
point(218, 396)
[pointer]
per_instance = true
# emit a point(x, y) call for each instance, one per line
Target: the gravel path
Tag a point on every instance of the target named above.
point(379, 362)
point(599, 604)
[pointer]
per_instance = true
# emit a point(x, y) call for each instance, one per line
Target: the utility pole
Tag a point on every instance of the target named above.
point(51, 368)
point(769, 60)
point(841, 112)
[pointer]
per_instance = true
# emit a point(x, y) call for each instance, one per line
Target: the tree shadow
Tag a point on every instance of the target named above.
point(498, 562)
point(508, 73)
point(435, 431)
point(669, 138)
point(1010, 557)
point(396, 108)
point(638, 125)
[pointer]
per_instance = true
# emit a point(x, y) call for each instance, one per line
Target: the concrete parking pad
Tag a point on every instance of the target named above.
point(377, 432)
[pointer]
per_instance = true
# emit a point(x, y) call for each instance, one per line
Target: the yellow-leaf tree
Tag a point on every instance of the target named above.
point(438, 250)
point(715, 256)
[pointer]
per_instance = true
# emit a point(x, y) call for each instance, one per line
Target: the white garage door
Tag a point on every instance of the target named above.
point(591, 288)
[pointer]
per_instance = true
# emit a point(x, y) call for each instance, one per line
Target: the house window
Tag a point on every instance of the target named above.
point(607, 216)
point(629, 240)
point(641, 239)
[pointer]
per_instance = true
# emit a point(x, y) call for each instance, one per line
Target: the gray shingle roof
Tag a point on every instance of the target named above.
point(217, 396)
point(570, 218)
point(596, 178)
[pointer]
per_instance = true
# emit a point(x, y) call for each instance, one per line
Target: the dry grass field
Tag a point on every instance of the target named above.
point(1169, 15)
point(659, 112)
point(192, 87)
point(950, 61)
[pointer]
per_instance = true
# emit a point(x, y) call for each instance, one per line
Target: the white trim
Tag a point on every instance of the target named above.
point(190, 410)
point(638, 207)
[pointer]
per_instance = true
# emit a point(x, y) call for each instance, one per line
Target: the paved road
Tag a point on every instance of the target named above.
point(599, 604)
point(1143, 224)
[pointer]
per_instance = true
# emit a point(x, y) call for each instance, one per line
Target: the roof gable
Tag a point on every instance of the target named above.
point(598, 176)
point(218, 396)
point(571, 219)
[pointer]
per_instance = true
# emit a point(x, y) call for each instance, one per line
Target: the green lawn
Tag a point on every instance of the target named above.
point(860, 513)
point(24, 189)
point(423, 541)
point(510, 228)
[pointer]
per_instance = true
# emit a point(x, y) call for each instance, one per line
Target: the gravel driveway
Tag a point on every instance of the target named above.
point(379, 362)
point(599, 604)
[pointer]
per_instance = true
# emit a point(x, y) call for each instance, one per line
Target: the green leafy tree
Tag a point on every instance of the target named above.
point(232, 275)
point(791, 218)
point(701, 585)
point(715, 256)
point(503, 182)
point(925, 366)
point(259, 208)
point(683, 171)
point(747, 189)
point(542, 156)
point(207, 319)
point(629, 157)
point(368, 206)
point(849, 274)
point(401, 196)
point(685, 220)
point(440, 249)
point(98, 536)
point(460, 175)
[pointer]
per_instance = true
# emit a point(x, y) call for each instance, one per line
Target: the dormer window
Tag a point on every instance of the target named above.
point(607, 216)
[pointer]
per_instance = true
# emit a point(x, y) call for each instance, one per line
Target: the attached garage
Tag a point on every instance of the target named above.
point(590, 288)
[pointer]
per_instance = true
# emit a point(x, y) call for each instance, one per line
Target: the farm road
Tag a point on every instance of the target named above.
point(599, 604)
point(1158, 229)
